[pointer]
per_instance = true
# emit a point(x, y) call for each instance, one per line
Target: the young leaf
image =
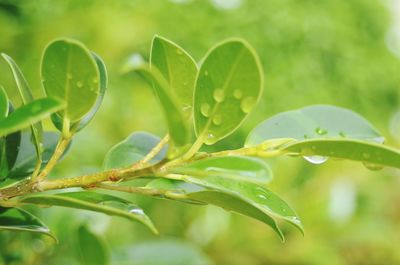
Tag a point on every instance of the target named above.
point(91, 249)
point(228, 86)
point(29, 114)
point(236, 168)
point(191, 193)
point(26, 96)
point(17, 219)
point(70, 73)
point(3, 103)
point(133, 149)
point(318, 121)
point(373, 155)
point(92, 201)
point(177, 124)
point(177, 67)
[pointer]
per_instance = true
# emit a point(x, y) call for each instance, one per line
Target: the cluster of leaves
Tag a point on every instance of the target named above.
point(202, 103)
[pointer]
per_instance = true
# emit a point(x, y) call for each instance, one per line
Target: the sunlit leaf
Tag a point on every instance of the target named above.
point(319, 121)
point(29, 114)
point(133, 149)
point(92, 201)
point(3, 103)
point(91, 249)
point(228, 86)
point(70, 73)
point(17, 219)
point(26, 96)
point(230, 167)
point(177, 67)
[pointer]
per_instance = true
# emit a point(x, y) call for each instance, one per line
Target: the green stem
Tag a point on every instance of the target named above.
point(143, 162)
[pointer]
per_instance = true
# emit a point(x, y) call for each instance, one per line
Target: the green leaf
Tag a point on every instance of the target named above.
point(26, 160)
point(318, 121)
point(177, 124)
point(236, 168)
point(17, 219)
point(177, 67)
point(26, 96)
point(372, 154)
point(70, 73)
point(29, 114)
point(3, 103)
point(132, 149)
point(92, 201)
point(228, 86)
point(92, 249)
point(11, 148)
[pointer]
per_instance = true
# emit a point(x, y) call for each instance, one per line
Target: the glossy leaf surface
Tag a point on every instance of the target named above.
point(91, 249)
point(92, 201)
point(177, 67)
point(228, 86)
point(133, 149)
point(70, 73)
point(29, 114)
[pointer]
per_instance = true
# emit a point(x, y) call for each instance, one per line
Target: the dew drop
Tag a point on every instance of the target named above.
point(210, 139)
point(136, 211)
point(237, 94)
point(206, 73)
point(366, 155)
point(261, 196)
point(316, 159)
point(217, 120)
point(321, 131)
point(219, 95)
point(372, 167)
point(79, 84)
point(247, 104)
point(205, 109)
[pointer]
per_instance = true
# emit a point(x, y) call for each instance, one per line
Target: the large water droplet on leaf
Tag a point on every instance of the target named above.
point(205, 109)
point(316, 159)
point(210, 139)
point(217, 120)
point(219, 95)
point(373, 167)
point(247, 104)
point(237, 94)
point(321, 131)
point(79, 84)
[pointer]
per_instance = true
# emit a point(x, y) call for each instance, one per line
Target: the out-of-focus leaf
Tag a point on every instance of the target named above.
point(133, 149)
point(17, 219)
point(26, 96)
point(177, 124)
point(228, 86)
point(3, 103)
point(29, 114)
point(91, 249)
point(92, 201)
point(319, 121)
point(70, 73)
point(230, 167)
point(177, 67)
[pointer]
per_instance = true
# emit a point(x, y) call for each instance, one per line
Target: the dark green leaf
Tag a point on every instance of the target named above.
point(16, 219)
point(230, 167)
point(177, 67)
point(29, 114)
point(92, 201)
point(92, 249)
point(228, 86)
point(70, 73)
point(133, 149)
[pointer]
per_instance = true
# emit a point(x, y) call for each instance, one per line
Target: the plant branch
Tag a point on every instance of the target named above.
point(143, 162)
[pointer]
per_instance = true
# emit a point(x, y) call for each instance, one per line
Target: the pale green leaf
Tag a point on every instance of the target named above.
point(92, 249)
point(3, 103)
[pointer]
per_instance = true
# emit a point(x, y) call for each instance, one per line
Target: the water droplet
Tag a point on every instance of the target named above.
point(136, 211)
point(178, 51)
point(79, 84)
point(373, 167)
point(316, 159)
point(69, 76)
point(321, 131)
point(205, 109)
point(206, 73)
point(366, 155)
point(219, 95)
point(210, 139)
point(261, 196)
point(217, 120)
point(247, 104)
point(237, 94)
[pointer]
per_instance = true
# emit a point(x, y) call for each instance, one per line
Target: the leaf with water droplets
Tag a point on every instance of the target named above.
point(29, 114)
point(237, 168)
point(228, 86)
point(372, 154)
point(91, 249)
point(318, 121)
point(70, 73)
point(17, 219)
point(26, 96)
point(177, 67)
point(133, 149)
point(92, 201)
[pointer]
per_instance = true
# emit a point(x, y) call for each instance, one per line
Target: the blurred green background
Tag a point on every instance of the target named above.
point(340, 52)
